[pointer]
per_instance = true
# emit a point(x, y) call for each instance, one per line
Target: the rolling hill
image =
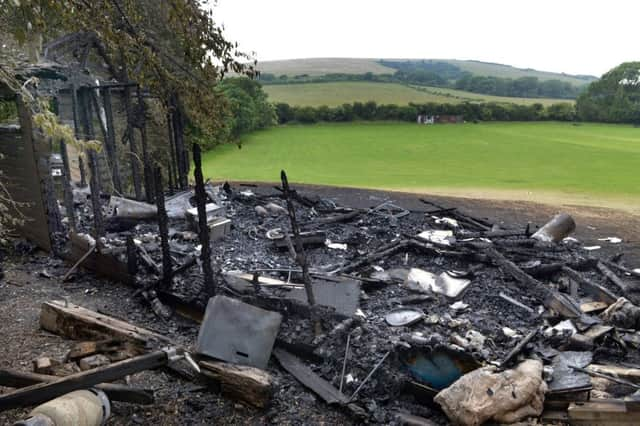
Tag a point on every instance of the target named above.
point(322, 66)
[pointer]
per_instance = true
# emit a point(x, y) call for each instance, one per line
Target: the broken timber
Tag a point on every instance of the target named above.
point(308, 378)
point(240, 382)
point(78, 323)
point(115, 392)
point(42, 392)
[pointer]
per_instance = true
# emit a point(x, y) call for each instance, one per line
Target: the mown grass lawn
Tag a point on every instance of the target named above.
point(587, 160)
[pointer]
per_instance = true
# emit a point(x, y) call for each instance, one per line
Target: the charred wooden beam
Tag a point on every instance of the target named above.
point(611, 276)
point(163, 228)
point(384, 251)
point(115, 392)
point(203, 226)
point(132, 256)
point(142, 122)
point(98, 223)
point(172, 153)
point(74, 109)
point(133, 149)
point(83, 173)
point(301, 257)
point(110, 141)
point(599, 292)
point(42, 392)
point(239, 382)
point(66, 181)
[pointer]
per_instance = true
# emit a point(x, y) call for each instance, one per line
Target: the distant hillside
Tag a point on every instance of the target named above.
point(322, 66)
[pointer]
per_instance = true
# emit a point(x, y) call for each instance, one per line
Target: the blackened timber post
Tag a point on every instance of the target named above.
point(142, 122)
point(172, 151)
point(163, 228)
point(203, 226)
point(301, 256)
point(66, 183)
point(171, 179)
point(83, 173)
point(94, 183)
point(111, 140)
point(132, 256)
point(135, 170)
point(74, 108)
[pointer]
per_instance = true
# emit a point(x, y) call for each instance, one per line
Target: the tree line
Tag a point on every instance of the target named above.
point(371, 111)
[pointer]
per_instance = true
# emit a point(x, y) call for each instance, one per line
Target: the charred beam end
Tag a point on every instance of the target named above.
point(203, 226)
point(163, 228)
point(301, 257)
point(94, 183)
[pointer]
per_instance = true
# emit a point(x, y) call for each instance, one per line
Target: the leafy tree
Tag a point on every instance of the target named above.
point(249, 107)
point(615, 98)
point(172, 47)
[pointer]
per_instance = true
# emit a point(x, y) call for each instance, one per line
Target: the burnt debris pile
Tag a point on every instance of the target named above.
point(386, 314)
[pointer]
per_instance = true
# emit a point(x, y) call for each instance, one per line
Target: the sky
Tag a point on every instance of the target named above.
point(575, 37)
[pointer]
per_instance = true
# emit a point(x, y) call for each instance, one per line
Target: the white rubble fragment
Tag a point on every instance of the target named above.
point(459, 306)
point(591, 248)
point(335, 246)
point(612, 240)
point(560, 328)
point(509, 332)
point(438, 236)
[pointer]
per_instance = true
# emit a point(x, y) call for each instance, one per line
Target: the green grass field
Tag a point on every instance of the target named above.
point(333, 94)
point(586, 164)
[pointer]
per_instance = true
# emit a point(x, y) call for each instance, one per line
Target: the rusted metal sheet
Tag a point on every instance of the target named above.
point(22, 152)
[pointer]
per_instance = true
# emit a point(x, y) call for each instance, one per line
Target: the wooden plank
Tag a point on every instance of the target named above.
point(630, 374)
point(43, 392)
point(308, 378)
point(602, 412)
point(77, 323)
point(115, 392)
point(248, 384)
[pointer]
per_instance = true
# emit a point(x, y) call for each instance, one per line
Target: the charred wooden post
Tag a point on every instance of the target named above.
point(171, 179)
point(66, 179)
point(132, 256)
point(133, 150)
point(301, 256)
point(173, 171)
point(203, 226)
point(110, 141)
point(94, 183)
point(148, 175)
point(163, 227)
point(86, 114)
point(74, 108)
point(83, 173)
point(182, 159)
point(53, 212)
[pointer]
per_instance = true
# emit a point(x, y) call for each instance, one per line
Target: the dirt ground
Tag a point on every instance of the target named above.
point(33, 277)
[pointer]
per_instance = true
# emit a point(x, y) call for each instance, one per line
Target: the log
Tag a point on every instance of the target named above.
point(243, 383)
point(611, 276)
point(115, 392)
point(630, 374)
point(77, 323)
point(42, 392)
point(601, 293)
